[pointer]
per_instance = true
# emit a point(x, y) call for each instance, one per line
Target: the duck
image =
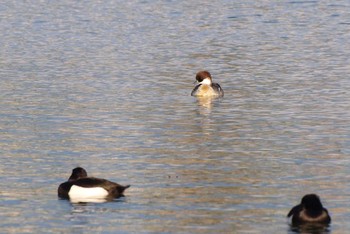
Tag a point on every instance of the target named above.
point(80, 187)
point(309, 211)
point(205, 86)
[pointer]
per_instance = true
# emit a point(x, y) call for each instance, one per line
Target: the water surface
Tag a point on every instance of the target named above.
point(106, 86)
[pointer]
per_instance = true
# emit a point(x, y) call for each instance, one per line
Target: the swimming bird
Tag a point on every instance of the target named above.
point(80, 187)
point(205, 86)
point(310, 210)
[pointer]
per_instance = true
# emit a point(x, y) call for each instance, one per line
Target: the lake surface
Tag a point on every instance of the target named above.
point(106, 85)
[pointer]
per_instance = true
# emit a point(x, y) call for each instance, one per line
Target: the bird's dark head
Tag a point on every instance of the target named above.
point(77, 173)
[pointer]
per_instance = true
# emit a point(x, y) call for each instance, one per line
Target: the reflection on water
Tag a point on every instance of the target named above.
point(105, 85)
point(310, 228)
point(206, 102)
point(87, 200)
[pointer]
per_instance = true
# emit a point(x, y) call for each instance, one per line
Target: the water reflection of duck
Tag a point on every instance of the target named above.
point(80, 187)
point(309, 211)
point(206, 87)
point(206, 101)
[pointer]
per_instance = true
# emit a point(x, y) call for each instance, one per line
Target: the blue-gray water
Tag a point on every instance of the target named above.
point(105, 85)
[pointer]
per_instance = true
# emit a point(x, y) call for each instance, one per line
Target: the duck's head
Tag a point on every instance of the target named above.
point(311, 202)
point(204, 77)
point(77, 173)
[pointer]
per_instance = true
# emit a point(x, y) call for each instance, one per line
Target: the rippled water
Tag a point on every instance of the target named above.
point(105, 86)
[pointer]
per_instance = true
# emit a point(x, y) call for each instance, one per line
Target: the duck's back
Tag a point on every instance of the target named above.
point(310, 217)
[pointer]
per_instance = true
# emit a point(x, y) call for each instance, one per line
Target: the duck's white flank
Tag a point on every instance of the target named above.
point(76, 192)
